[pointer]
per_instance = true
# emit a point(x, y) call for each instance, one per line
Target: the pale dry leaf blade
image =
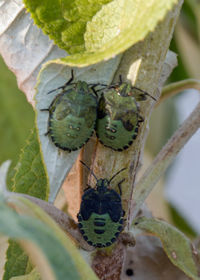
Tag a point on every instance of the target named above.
point(23, 45)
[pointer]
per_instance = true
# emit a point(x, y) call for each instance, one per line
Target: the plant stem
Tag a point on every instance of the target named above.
point(164, 159)
point(174, 88)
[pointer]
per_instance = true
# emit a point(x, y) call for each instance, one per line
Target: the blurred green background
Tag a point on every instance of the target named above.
point(17, 115)
point(164, 120)
point(16, 118)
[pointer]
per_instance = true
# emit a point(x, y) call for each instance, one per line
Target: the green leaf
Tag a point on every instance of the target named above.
point(16, 118)
point(30, 177)
point(110, 33)
point(175, 244)
point(93, 32)
point(33, 275)
point(64, 21)
point(50, 248)
point(17, 261)
point(181, 223)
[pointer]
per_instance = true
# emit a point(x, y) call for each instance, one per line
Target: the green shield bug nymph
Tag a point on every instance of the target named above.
point(119, 115)
point(100, 218)
point(72, 115)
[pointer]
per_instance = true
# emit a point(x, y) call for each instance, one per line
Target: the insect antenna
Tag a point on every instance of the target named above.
point(145, 93)
point(89, 169)
point(120, 79)
point(116, 175)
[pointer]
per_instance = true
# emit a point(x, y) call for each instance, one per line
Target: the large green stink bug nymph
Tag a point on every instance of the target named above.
point(100, 218)
point(72, 115)
point(119, 115)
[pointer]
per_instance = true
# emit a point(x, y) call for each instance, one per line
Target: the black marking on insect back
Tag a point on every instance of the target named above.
point(79, 217)
point(99, 231)
point(99, 224)
point(136, 129)
point(120, 228)
point(85, 237)
point(82, 231)
point(125, 147)
point(127, 125)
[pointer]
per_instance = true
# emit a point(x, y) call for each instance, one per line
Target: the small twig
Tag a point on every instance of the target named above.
point(164, 159)
point(174, 88)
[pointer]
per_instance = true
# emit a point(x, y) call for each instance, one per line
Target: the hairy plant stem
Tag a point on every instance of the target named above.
point(164, 159)
point(174, 88)
point(142, 64)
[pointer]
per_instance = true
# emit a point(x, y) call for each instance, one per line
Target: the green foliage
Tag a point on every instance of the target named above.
point(176, 245)
point(16, 118)
point(64, 21)
point(109, 34)
point(27, 228)
point(180, 223)
point(92, 32)
point(163, 123)
point(33, 275)
point(17, 261)
point(180, 72)
point(190, 18)
point(190, 21)
point(30, 177)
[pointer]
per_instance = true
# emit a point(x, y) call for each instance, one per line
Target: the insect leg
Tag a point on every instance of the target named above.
point(119, 186)
point(43, 110)
point(67, 83)
point(140, 118)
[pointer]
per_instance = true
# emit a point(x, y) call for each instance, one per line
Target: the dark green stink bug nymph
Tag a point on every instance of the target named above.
point(119, 115)
point(100, 218)
point(72, 115)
